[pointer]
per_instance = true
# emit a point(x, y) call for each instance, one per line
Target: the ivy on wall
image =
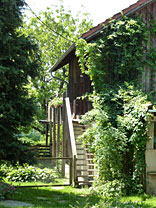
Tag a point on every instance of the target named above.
point(115, 63)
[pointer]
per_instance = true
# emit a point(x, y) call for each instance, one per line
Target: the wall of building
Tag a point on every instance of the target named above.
point(150, 156)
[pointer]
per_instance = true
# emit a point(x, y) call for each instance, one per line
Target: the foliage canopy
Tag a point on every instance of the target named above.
point(19, 63)
point(53, 30)
point(119, 131)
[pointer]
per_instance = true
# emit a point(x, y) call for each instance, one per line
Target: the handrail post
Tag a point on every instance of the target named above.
point(71, 171)
point(74, 170)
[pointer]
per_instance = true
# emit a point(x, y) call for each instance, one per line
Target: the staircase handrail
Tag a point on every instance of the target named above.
point(70, 126)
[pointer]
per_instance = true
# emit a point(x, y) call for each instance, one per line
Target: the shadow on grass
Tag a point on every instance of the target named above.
point(50, 197)
point(140, 201)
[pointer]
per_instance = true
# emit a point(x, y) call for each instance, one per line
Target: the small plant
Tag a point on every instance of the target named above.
point(27, 173)
point(30, 173)
point(6, 190)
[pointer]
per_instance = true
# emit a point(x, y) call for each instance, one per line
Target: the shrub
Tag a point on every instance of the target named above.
point(109, 189)
point(6, 190)
point(118, 135)
point(27, 173)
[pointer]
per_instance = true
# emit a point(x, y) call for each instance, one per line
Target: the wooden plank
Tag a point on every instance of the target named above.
point(64, 137)
point(74, 170)
point(54, 132)
point(70, 172)
point(47, 129)
point(70, 126)
point(47, 125)
point(50, 128)
point(58, 132)
point(54, 158)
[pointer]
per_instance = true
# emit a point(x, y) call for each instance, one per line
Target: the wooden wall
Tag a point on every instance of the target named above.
point(149, 77)
point(79, 84)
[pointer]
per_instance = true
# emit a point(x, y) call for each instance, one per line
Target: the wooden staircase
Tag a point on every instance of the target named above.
point(41, 150)
point(85, 167)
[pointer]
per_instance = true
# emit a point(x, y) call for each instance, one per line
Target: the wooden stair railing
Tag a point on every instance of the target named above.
point(71, 138)
point(41, 150)
point(83, 167)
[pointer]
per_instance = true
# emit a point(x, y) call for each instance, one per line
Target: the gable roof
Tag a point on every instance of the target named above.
point(95, 31)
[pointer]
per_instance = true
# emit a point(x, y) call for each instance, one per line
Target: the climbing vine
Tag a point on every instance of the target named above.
point(118, 55)
point(115, 63)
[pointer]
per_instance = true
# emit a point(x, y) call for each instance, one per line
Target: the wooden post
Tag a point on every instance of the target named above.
point(50, 128)
point(74, 170)
point(47, 127)
point(74, 108)
point(54, 132)
point(71, 172)
point(58, 132)
point(64, 137)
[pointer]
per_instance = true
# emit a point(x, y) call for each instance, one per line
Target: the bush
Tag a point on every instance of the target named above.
point(6, 190)
point(27, 173)
point(110, 189)
point(118, 135)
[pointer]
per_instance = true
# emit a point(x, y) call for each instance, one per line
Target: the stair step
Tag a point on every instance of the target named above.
point(91, 164)
point(78, 126)
point(82, 169)
point(85, 176)
point(81, 159)
point(79, 143)
point(89, 154)
point(80, 154)
point(44, 148)
point(44, 153)
point(80, 148)
point(86, 182)
point(81, 164)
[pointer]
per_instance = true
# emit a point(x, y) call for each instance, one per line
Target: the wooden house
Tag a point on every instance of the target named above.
point(80, 83)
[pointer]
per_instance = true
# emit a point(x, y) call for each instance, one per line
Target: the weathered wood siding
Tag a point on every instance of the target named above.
point(79, 84)
point(149, 77)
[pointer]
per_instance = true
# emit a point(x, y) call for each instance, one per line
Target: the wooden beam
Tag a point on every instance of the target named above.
point(50, 128)
point(70, 126)
point(54, 132)
point(58, 132)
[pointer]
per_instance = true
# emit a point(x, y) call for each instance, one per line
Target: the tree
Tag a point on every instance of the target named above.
point(19, 64)
point(54, 30)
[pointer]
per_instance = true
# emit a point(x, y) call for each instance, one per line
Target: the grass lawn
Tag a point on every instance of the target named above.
point(145, 201)
point(66, 196)
point(57, 182)
point(54, 196)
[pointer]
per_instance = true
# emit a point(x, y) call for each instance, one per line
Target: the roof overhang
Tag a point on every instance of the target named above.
point(95, 31)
